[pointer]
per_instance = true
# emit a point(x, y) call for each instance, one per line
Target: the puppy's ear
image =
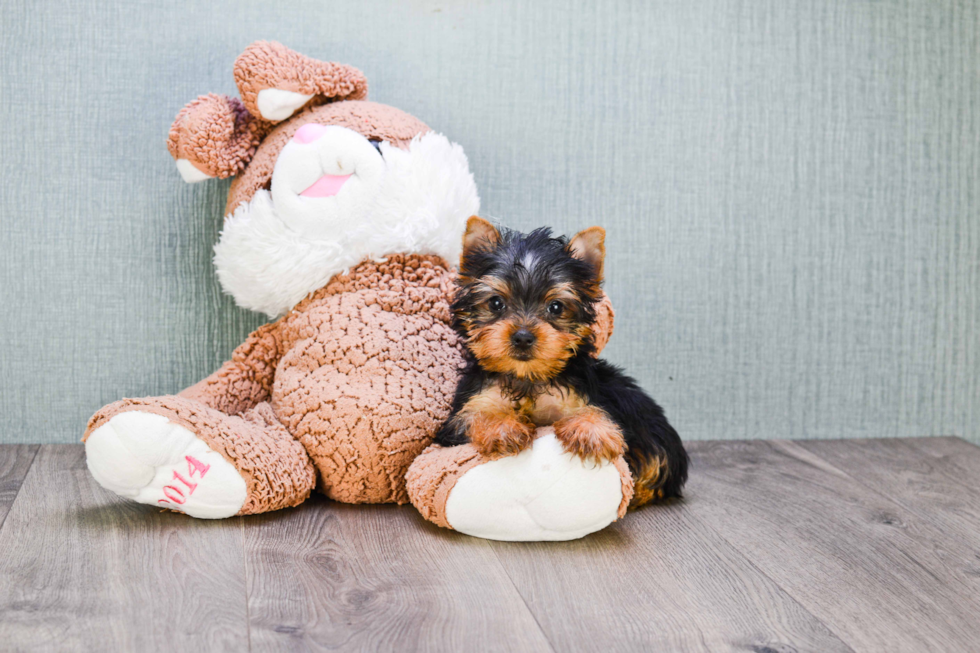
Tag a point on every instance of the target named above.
point(590, 246)
point(479, 233)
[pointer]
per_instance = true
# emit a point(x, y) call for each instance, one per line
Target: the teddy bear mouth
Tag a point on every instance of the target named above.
point(326, 186)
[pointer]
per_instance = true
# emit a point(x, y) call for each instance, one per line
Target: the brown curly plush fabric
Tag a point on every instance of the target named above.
point(368, 373)
point(434, 473)
point(605, 320)
point(277, 472)
point(224, 136)
point(361, 373)
point(267, 64)
point(352, 382)
point(217, 134)
point(355, 378)
point(246, 379)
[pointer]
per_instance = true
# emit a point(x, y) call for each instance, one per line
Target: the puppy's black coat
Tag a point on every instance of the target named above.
point(514, 289)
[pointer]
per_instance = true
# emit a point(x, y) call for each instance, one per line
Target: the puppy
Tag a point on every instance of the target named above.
point(525, 306)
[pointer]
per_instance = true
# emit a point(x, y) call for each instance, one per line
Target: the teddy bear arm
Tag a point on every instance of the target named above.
point(246, 380)
point(214, 136)
point(605, 319)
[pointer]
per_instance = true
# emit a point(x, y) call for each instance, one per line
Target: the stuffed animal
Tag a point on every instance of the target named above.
point(343, 223)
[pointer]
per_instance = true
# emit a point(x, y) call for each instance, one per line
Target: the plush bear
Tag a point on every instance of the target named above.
point(343, 222)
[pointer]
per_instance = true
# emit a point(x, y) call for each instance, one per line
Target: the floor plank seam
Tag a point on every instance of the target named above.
point(503, 567)
point(883, 566)
point(924, 517)
point(248, 616)
point(878, 540)
point(751, 563)
point(962, 482)
point(37, 450)
point(891, 499)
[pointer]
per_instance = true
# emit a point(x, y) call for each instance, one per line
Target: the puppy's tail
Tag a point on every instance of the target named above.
point(658, 474)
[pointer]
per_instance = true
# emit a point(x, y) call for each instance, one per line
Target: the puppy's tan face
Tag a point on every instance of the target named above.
point(525, 303)
point(531, 340)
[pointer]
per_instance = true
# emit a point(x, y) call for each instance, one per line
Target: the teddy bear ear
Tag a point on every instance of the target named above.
point(213, 136)
point(605, 320)
point(275, 81)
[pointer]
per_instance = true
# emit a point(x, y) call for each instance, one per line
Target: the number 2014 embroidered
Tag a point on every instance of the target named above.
point(175, 493)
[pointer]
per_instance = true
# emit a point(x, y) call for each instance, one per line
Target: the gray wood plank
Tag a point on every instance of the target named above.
point(659, 580)
point(15, 460)
point(936, 489)
point(870, 569)
point(84, 570)
point(957, 458)
point(328, 576)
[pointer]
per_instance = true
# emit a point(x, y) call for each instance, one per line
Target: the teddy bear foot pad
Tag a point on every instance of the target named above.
point(147, 458)
point(540, 494)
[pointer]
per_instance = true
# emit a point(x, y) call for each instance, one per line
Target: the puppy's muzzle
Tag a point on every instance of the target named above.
point(523, 341)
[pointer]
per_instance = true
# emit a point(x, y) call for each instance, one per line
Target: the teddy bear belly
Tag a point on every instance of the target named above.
point(366, 397)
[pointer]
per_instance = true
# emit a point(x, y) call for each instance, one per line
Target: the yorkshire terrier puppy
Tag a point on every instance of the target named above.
point(525, 306)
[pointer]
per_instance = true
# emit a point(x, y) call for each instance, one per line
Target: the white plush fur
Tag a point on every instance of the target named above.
point(143, 456)
point(277, 104)
point(542, 493)
point(269, 261)
point(338, 151)
point(190, 173)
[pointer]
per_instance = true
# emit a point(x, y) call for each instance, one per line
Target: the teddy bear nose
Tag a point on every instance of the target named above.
point(522, 339)
point(309, 133)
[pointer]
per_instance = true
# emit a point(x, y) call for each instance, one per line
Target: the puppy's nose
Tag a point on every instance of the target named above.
point(523, 339)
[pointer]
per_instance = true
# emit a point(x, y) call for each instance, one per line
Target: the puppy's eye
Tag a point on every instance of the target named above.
point(555, 308)
point(496, 304)
point(376, 143)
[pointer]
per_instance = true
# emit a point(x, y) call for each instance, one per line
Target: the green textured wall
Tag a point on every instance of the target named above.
point(792, 192)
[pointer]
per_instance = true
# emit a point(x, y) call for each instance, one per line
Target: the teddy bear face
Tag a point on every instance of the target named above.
point(280, 245)
point(336, 183)
point(375, 122)
point(324, 176)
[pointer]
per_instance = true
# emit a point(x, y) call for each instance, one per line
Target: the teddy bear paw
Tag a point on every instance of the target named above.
point(544, 493)
point(147, 458)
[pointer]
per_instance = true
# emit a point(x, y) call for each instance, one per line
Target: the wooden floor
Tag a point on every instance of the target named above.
point(870, 545)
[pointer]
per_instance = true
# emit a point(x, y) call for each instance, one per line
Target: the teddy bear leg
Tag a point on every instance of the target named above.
point(354, 467)
point(543, 493)
point(177, 453)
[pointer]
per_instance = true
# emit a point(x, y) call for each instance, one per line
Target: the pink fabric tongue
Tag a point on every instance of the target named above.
point(326, 186)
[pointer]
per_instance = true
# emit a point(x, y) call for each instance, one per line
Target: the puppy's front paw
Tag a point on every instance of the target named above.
point(591, 435)
point(495, 438)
